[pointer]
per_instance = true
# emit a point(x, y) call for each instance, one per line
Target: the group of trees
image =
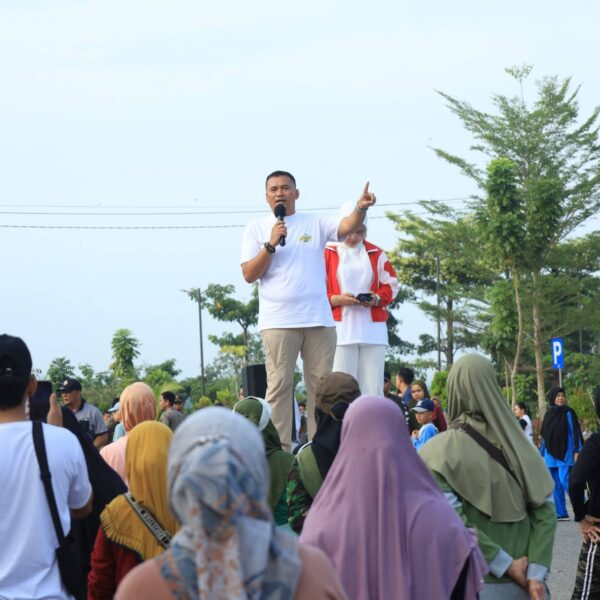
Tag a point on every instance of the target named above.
point(516, 266)
point(101, 387)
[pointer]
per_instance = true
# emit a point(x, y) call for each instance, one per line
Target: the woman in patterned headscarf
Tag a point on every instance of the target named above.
point(228, 547)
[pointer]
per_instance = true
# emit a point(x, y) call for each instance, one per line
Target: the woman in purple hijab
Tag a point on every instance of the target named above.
point(383, 521)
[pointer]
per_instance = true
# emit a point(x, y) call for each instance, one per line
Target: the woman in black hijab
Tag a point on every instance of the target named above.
point(586, 476)
point(332, 397)
point(562, 442)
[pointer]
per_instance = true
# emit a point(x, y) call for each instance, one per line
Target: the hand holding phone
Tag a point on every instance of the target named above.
point(39, 403)
point(364, 297)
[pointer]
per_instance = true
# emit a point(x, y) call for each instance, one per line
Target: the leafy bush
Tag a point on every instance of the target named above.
point(438, 386)
point(202, 402)
point(581, 402)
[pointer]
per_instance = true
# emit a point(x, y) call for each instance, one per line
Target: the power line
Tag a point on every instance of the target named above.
point(142, 227)
point(118, 226)
point(176, 214)
point(188, 206)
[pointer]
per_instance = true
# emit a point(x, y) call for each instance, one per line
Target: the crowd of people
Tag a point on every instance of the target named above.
point(390, 497)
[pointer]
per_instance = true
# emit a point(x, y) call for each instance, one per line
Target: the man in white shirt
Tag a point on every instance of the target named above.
point(294, 314)
point(28, 565)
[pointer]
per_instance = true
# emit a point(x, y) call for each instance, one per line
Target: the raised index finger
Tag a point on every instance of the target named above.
point(366, 189)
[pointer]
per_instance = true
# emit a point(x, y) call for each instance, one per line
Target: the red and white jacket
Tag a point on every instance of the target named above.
point(384, 282)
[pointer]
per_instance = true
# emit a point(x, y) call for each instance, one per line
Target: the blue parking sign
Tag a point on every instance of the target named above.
point(558, 353)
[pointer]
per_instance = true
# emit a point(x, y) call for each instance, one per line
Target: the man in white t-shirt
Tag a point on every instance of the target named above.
point(28, 565)
point(294, 315)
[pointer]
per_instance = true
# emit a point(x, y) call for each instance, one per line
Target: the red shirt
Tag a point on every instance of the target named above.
point(110, 563)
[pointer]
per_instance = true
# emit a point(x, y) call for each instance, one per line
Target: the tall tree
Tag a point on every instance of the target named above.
point(59, 369)
point(125, 349)
point(557, 163)
point(396, 345)
point(502, 222)
point(162, 377)
point(452, 240)
point(221, 303)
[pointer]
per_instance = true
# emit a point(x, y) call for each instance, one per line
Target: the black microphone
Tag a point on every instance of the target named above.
point(279, 212)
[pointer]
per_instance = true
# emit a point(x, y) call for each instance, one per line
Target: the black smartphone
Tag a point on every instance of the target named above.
point(39, 403)
point(365, 297)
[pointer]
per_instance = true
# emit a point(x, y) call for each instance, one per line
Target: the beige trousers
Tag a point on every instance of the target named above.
point(316, 347)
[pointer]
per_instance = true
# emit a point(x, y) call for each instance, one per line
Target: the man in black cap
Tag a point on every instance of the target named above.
point(28, 566)
point(89, 417)
point(178, 404)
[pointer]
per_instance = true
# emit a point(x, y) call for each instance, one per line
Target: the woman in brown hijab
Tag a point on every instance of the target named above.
point(312, 463)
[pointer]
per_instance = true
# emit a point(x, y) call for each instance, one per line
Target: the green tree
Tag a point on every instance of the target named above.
point(557, 162)
point(439, 386)
point(221, 304)
point(452, 240)
point(125, 349)
point(227, 398)
point(396, 345)
point(59, 369)
point(167, 366)
point(191, 388)
point(202, 402)
point(501, 220)
point(162, 377)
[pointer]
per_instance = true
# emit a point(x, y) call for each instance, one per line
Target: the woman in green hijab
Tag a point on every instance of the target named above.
point(280, 462)
point(497, 482)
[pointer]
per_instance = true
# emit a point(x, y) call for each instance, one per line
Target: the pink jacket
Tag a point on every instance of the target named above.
point(384, 282)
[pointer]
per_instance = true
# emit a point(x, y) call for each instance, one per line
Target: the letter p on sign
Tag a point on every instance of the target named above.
point(558, 354)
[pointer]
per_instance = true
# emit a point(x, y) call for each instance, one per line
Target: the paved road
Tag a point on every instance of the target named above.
point(567, 544)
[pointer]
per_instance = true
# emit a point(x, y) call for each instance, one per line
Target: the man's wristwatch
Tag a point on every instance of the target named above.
point(269, 247)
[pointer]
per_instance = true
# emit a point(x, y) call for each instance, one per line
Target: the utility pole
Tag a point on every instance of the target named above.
point(439, 326)
point(202, 379)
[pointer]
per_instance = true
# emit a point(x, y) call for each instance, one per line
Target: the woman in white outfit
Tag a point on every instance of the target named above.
point(520, 410)
point(355, 267)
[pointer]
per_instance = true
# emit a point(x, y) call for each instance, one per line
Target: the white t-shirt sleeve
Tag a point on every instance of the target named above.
point(250, 242)
point(80, 488)
point(329, 228)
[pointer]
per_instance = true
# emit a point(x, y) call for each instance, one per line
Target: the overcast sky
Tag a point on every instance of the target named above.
point(184, 107)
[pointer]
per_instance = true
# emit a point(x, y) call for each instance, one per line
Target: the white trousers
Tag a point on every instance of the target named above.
point(365, 362)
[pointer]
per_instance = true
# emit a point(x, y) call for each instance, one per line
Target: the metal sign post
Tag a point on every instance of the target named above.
point(558, 357)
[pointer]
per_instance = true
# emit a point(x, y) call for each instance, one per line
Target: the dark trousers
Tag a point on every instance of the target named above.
point(587, 581)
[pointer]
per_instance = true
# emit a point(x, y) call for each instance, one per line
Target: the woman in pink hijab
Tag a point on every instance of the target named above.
point(383, 521)
point(138, 404)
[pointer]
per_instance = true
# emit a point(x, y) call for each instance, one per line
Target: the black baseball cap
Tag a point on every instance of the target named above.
point(15, 359)
point(70, 385)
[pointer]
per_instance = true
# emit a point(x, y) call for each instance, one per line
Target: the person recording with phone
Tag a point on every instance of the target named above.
point(361, 283)
point(294, 317)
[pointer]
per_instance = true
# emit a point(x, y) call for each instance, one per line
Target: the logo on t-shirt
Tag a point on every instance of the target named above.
point(305, 238)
